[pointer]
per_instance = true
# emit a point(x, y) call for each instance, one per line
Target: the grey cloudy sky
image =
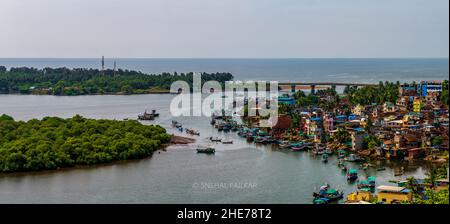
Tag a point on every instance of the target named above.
point(224, 28)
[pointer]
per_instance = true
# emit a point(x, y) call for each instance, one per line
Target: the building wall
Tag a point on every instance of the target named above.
point(389, 197)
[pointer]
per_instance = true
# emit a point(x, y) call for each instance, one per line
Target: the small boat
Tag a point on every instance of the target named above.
point(325, 158)
point(352, 175)
point(154, 113)
point(369, 183)
point(329, 152)
point(284, 144)
point(344, 168)
point(215, 139)
point(227, 141)
point(260, 140)
point(206, 149)
point(192, 132)
point(146, 116)
point(213, 121)
point(353, 158)
point(381, 168)
point(298, 146)
point(249, 137)
point(327, 194)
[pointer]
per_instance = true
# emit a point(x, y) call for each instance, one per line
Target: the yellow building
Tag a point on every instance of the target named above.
point(417, 105)
point(393, 194)
point(360, 196)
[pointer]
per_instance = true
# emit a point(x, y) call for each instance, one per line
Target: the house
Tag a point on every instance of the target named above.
point(415, 153)
point(359, 110)
point(417, 105)
point(389, 107)
point(393, 194)
point(403, 103)
point(328, 123)
point(357, 137)
point(313, 128)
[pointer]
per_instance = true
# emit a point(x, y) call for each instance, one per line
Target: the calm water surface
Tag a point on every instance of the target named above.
point(178, 174)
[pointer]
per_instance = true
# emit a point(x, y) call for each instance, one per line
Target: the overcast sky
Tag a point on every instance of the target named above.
point(224, 28)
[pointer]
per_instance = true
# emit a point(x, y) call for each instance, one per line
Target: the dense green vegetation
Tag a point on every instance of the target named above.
point(430, 195)
point(384, 92)
point(64, 81)
point(53, 143)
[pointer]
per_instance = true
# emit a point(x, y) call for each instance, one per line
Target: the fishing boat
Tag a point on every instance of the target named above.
point(215, 139)
point(260, 139)
point(327, 194)
point(154, 113)
point(227, 141)
point(352, 175)
point(206, 149)
point(353, 158)
point(146, 116)
point(192, 131)
point(298, 146)
point(284, 144)
point(176, 124)
point(369, 183)
point(325, 158)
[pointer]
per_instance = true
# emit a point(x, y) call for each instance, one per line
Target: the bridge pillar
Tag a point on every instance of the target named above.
point(293, 88)
point(313, 89)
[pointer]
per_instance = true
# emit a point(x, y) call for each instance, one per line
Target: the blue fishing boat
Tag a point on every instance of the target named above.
point(327, 194)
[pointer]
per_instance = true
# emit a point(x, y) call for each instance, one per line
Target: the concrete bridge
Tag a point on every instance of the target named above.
point(313, 85)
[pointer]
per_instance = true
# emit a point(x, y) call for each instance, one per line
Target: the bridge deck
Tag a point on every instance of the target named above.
point(323, 84)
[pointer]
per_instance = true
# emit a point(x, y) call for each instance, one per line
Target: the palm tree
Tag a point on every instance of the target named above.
point(432, 177)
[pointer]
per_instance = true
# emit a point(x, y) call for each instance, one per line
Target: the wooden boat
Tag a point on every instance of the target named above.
point(215, 139)
point(176, 124)
point(369, 183)
point(353, 158)
point(327, 194)
point(206, 149)
point(325, 158)
point(352, 175)
point(227, 141)
point(154, 113)
point(284, 144)
point(298, 147)
point(192, 132)
point(146, 116)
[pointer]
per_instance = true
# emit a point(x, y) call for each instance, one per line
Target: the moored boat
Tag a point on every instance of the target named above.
point(325, 158)
point(146, 116)
point(206, 149)
point(227, 141)
point(327, 194)
point(352, 175)
point(215, 139)
point(369, 183)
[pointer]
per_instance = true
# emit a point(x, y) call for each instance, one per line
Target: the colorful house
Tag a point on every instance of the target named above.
point(393, 194)
point(417, 105)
